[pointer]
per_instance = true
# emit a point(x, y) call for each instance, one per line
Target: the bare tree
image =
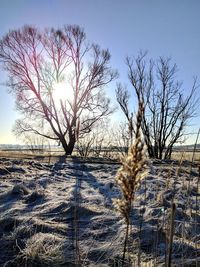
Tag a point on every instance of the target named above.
point(167, 110)
point(39, 64)
point(35, 143)
point(121, 139)
point(123, 100)
point(84, 145)
point(95, 142)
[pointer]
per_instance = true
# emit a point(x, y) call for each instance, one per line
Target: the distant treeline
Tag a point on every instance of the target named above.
point(14, 147)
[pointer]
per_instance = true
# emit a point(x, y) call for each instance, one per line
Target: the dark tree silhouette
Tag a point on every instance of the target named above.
point(123, 100)
point(37, 61)
point(167, 111)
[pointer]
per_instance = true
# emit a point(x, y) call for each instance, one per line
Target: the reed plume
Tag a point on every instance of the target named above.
point(129, 175)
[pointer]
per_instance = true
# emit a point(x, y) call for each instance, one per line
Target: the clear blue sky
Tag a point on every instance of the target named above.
point(163, 27)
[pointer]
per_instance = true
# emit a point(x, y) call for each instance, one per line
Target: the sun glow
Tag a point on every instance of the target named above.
point(62, 91)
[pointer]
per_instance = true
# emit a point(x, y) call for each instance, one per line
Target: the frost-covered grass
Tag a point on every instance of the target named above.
point(56, 214)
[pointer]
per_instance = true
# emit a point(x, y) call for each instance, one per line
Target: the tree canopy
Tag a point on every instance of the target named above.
point(167, 110)
point(57, 78)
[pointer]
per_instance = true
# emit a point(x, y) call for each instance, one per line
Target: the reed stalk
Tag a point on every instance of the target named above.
point(129, 175)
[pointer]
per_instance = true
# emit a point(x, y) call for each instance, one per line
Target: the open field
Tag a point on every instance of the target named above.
point(186, 155)
point(59, 211)
point(52, 155)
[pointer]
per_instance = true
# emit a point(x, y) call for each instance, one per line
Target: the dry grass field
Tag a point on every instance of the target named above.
point(186, 155)
point(57, 211)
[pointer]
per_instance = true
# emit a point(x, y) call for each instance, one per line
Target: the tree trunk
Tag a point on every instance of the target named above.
point(160, 152)
point(68, 148)
point(168, 152)
point(155, 150)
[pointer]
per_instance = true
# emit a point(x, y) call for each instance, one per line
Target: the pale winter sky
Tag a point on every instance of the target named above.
point(169, 28)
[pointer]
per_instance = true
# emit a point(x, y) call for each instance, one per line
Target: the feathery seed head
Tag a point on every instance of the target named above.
point(132, 170)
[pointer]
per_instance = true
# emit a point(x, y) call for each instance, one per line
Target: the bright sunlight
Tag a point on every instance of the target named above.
point(62, 91)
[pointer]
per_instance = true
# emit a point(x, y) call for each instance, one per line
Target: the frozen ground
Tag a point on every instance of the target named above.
point(59, 214)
